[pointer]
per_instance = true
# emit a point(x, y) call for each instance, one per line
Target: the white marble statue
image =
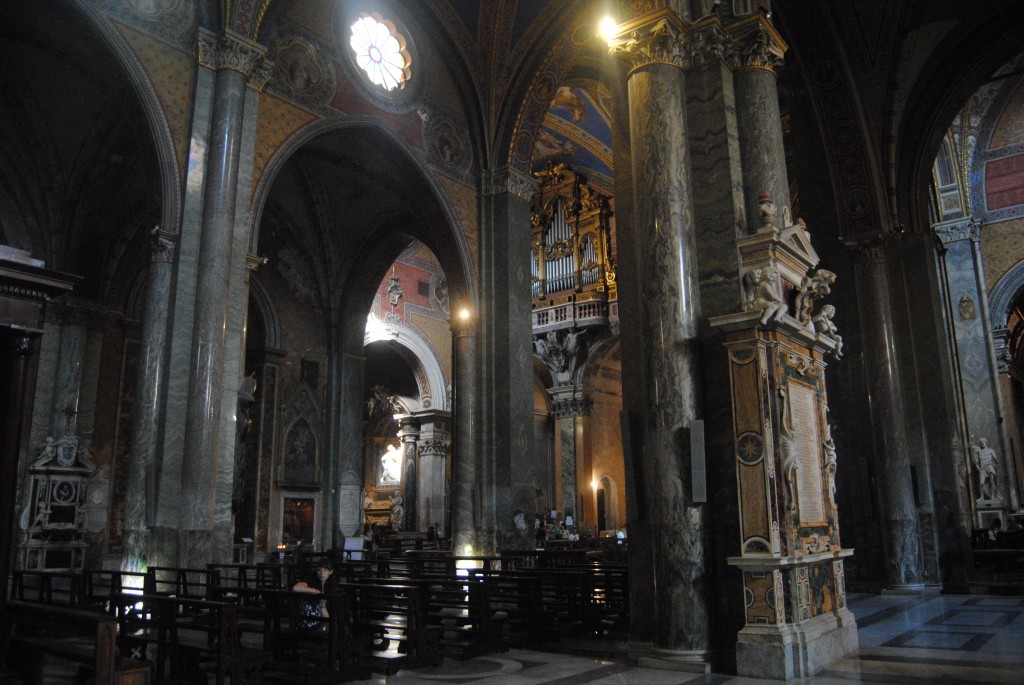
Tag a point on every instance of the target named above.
point(763, 294)
point(390, 469)
point(823, 324)
point(987, 462)
point(812, 288)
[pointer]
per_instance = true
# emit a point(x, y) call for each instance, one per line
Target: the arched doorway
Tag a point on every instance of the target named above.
point(342, 205)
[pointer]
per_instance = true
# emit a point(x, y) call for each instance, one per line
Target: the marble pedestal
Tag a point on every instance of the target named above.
point(789, 651)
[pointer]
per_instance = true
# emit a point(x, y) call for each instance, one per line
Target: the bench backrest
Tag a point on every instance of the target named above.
point(54, 622)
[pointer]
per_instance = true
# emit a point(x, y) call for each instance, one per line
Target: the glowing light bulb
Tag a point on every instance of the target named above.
point(607, 28)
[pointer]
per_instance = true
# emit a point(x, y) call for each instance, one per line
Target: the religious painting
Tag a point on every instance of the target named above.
point(300, 462)
point(297, 520)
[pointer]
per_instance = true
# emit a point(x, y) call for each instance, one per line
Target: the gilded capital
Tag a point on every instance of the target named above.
point(659, 38)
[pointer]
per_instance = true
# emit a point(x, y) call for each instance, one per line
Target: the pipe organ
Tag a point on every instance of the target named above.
point(572, 240)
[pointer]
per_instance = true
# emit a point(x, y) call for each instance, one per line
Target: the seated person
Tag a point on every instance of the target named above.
point(317, 584)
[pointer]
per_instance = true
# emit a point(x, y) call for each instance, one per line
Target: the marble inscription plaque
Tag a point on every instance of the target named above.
point(803, 405)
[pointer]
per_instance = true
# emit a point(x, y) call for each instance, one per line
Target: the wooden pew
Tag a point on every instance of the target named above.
point(48, 587)
point(77, 635)
point(191, 637)
point(100, 585)
point(188, 583)
point(392, 617)
point(311, 648)
point(460, 609)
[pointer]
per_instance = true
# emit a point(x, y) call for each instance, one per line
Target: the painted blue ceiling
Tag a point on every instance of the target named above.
point(577, 131)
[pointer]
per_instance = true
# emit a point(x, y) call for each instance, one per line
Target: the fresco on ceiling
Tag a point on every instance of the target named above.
point(577, 132)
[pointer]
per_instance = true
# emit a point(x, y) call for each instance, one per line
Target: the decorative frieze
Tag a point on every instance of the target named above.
point(437, 448)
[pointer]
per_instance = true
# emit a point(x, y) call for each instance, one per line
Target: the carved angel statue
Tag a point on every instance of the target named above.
point(823, 325)
point(812, 288)
point(763, 294)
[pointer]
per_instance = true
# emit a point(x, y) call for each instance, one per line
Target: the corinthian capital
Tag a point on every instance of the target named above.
point(230, 50)
point(659, 38)
point(753, 43)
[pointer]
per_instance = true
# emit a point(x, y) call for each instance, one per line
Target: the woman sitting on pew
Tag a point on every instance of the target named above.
point(317, 584)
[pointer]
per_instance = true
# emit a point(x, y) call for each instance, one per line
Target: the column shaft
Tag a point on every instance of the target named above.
point(140, 499)
point(760, 129)
point(892, 453)
point(665, 255)
point(465, 457)
point(349, 369)
point(199, 463)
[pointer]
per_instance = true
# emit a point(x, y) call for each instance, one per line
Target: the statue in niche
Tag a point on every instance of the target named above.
point(823, 324)
point(987, 462)
point(763, 294)
point(788, 448)
point(390, 471)
point(830, 465)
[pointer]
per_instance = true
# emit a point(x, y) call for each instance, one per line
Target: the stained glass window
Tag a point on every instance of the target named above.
point(380, 52)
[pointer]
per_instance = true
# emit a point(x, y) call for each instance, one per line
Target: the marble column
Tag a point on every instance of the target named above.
point(671, 528)
point(346, 390)
point(758, 50)
point(903, 569)
point(431, 505)
point(234, 59)
point(465, 492)
point(505, 475)
point(409, 434)
point(568, 406)
point(67, 383)
point(18, 348)
point(140, 498)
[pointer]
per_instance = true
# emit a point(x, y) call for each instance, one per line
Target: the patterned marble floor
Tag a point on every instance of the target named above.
point(904, 639)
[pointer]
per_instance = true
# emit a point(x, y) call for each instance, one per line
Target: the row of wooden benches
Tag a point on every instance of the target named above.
point(384, 622)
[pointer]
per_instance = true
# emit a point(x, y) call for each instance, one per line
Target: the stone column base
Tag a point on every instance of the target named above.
point(791, 651)
point(688, 660)
point(905, 588)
